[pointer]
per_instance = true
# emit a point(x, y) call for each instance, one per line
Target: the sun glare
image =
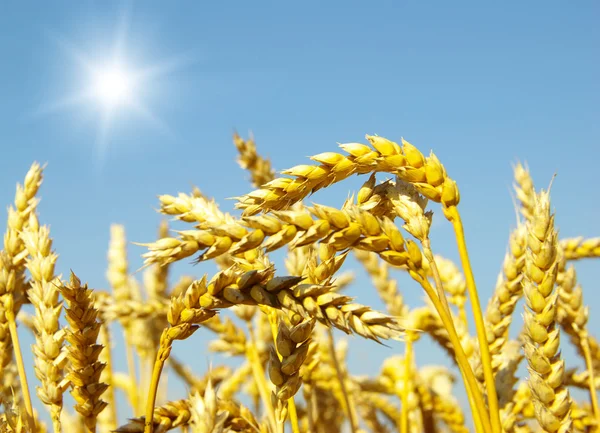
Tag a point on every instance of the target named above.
point(113, 86)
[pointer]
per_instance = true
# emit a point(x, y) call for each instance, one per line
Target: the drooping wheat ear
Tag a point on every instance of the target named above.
point(286, 358)
point(524, 190)
point(13, 287)
point(580, 248)
point(572, 316)
point(507, 293)
point(167, 417)
point(551, 397)
point(44, 295)
point(386, 286)
point(259, 167)
point(83, 351)
point(184, 316)
point(406, 161)
point(340, 229)
point(231, 287)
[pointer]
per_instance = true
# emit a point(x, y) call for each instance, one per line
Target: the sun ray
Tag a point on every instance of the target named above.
point(102, 145)
point(151, 117)
point(165, 67)
point(69, 101)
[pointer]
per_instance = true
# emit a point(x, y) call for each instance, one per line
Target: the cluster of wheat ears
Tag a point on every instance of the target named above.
point(293, 375)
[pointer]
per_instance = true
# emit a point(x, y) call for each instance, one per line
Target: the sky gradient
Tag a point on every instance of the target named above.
point(483, 85)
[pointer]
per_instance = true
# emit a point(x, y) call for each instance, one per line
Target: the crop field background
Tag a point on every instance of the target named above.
point(282, 212)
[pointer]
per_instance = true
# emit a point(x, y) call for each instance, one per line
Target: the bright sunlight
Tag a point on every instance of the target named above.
point(113, 86)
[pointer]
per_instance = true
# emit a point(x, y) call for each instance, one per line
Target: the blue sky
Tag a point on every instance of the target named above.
point(482, 84)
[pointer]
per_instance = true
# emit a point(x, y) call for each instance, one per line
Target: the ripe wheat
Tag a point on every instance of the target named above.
point(294, 369)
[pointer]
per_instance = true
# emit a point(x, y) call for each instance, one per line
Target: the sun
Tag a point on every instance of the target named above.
point(113, 86)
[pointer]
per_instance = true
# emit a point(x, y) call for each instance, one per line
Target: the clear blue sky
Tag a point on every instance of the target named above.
point(482, 84)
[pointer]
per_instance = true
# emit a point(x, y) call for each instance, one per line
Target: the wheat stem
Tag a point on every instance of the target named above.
point(407, 382)
point(477, 403)
point(592, 383)
point(259, 377)
point(486, 360)
point(436, 274)
point(156, 372)
point(20, 367)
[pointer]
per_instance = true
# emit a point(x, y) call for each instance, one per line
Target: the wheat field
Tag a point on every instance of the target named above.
point(293, 376)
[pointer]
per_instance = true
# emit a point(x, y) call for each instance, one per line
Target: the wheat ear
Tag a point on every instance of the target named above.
point(580, 248)
point(12, 282)
point(84, 351)
point(50, 357)
point(551, 398)
point(249, 159)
